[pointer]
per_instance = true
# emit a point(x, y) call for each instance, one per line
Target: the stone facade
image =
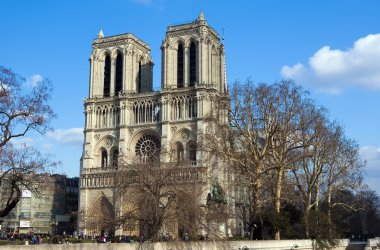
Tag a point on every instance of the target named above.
point(125, 120)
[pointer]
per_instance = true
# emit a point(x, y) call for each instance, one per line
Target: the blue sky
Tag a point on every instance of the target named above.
point(331, 47)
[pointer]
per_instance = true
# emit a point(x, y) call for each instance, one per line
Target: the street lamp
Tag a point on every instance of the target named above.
point(54, 225)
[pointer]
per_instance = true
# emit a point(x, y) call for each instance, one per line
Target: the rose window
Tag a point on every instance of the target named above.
point(147, 147)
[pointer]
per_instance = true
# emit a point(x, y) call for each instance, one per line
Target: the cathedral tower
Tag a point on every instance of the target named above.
point(127, 122)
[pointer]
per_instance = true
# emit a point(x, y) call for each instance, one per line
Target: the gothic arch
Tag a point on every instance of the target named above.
point(103, 152)
point(107, 75)
point(183, 107)
point(180, 64)
point(115, 51)
point(114, 157)
point(104, 53)
point(179, 152)
point(184, 135)
point(146, 111)
point(191, 39)
point(191, 152)
point(101, 214)
point(106, 141)
point(182, 41)
point(119, 72)
point(104, 159)
point(193, 58)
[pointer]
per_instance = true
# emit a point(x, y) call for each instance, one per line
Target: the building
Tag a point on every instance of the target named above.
point(53, 210)
point(125, 120)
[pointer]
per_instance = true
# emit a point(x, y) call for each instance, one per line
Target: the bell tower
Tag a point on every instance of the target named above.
point(192, 54)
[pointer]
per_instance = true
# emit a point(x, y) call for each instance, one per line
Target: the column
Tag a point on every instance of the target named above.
point(90, 91)
point(186, 59)
point(124, 83)
point(113, 71)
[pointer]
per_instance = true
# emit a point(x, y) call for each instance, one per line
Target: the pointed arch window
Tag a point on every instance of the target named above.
point(107, 76)
point(193, 61)
point(104, 158)
point(115, 157)
point(192, 153)
point(119, 73)
point(180, 66)
point(180, 152)
point(139, 84)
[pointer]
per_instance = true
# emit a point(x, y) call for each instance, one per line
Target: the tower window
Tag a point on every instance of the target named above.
point(180, 66)
point(180, 152)
point(107, 76)
point(192, 153)
point(104, 158)
point(115, 157)
point(192, 64)
point(139, 79)
point(119, 73)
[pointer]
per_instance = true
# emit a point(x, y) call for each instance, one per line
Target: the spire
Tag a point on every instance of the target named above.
point(201, 17)
point(100, 34)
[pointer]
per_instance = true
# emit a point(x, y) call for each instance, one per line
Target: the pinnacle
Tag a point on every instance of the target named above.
point(201, 16)
point(101, 34)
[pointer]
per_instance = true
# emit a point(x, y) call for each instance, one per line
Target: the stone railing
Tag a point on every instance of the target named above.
point(105, 177)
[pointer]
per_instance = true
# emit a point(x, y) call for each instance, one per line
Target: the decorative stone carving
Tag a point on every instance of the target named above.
point(173, 129)
point(97, 136)
point(184, 135)
point(130, 131)
point(108, 142)
point(88, 152)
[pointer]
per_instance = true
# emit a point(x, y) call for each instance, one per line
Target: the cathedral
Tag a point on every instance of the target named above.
point(127, 121)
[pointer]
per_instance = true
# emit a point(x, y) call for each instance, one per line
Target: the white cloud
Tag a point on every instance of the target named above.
point(71, 136)
point(333, 70)
point(34, 80)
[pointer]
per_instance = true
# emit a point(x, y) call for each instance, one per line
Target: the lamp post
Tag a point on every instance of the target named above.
point(54, 225)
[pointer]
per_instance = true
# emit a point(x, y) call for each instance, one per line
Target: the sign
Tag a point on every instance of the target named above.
point(24, 223)
point(26, 193)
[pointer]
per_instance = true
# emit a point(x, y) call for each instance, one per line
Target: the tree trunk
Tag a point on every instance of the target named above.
point(5, 211)
point(329, 191)
point(317, 196)
point(277, 200)
point(307, 216)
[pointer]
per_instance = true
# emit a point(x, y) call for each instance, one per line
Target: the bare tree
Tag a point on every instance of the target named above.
point(307, 172)
point(243, 143)
point(276, 137)
point(258, 142)
point(21, 111)
point(162, 198)
point(21, 169)
point(344, 170)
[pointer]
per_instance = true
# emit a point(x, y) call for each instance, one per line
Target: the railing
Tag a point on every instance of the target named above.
point(99, 169)
point(122, 94)
point(98, 177)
